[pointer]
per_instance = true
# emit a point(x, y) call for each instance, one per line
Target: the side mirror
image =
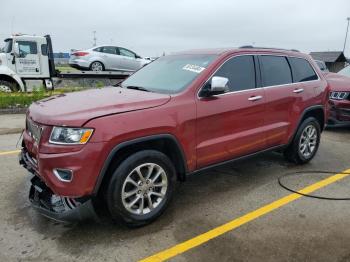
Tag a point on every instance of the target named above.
point(16, 50)
point(137, 56)
point(218, 85)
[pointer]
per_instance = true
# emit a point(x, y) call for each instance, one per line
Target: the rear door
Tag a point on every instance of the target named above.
point(283, 98)
point(28, 62)
point(305, 75)
point(231, 124)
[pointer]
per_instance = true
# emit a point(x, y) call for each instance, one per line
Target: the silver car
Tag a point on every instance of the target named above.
point(103, 58)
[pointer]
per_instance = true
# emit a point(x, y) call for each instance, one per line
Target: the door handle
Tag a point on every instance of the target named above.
point(254, 98)
point(298, 90)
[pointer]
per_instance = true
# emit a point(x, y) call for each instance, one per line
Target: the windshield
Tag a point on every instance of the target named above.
point(345, 71)
point(8, 46)
point(169, 74)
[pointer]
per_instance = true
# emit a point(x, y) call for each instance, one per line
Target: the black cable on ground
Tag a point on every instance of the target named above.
point(311, 172)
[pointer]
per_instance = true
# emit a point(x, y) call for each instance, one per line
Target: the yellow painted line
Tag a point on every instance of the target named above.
point(220, 230)
point(9, 152)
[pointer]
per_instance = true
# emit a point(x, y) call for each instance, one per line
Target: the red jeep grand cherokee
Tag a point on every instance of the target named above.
point(126, 146)
point(339, 98)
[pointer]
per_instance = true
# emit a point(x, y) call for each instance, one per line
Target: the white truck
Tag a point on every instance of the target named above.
point(27, 61)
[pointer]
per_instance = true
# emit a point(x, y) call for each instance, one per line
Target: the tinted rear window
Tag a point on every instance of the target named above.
point(275, 70)
point(302, 70)
point(109, 50)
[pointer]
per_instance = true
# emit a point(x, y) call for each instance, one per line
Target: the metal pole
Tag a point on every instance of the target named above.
point(346, 35)
point(94, 39)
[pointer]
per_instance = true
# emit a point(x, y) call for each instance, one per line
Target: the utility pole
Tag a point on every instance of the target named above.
point(95, 38)
point(346, 35)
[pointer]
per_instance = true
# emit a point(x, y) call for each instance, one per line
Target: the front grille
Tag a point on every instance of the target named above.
point(34, 130)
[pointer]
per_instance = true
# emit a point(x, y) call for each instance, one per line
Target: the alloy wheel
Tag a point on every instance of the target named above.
point(308, 141)
point(144, 188)
point(96, 66)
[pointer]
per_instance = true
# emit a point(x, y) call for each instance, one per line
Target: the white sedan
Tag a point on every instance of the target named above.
point(103, 58)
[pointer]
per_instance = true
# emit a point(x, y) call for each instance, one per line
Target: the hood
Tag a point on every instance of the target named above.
point(338, 82)
point(75, 109)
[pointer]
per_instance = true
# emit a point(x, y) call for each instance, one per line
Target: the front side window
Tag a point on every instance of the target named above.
point(240, 72)
point(169, 74)
point(275, 70)
point(302, 70)
point(27, 48)
point(125, 52)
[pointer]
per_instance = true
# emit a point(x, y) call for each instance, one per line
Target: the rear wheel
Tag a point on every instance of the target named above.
point(7, 87)
point(305, 143)
point(97, 66)
point(141, 188)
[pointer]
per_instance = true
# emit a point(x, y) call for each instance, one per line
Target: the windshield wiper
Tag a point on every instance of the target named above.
point(138, 88)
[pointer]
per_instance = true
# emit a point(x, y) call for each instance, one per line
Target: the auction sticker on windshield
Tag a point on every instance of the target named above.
point(193, 68)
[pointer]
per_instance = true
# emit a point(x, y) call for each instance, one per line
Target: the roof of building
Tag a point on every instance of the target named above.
point(329, 56)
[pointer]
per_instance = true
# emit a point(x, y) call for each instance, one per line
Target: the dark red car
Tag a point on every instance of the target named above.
point(339, 97)
point(127, 146)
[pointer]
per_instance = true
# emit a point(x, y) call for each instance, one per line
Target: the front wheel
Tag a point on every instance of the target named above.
point(305, 143)
point(141, 187)
point(7, 87)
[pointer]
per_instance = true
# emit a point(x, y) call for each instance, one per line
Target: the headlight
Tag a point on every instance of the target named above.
point(70, 136)
point(339, 95)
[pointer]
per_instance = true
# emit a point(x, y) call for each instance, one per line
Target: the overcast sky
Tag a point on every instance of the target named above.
point(150, 27)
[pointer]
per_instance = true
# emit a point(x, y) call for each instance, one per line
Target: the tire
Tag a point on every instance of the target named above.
point(305, 142)
point(141, 212)
point(8, 87)
point(97, 66)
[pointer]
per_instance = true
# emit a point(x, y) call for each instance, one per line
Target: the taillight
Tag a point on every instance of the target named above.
point(80, 53)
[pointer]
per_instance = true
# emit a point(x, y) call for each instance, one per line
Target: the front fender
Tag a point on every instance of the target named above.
point(6, 72)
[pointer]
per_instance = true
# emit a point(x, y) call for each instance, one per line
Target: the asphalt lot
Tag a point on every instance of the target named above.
point(303, 230)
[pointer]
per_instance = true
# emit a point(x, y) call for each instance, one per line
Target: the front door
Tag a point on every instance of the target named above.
point(110, 57)
point(28, 62)
point(231, 125)
point(128, 59)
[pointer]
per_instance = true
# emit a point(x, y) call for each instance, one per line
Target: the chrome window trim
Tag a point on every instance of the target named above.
point(257, 88)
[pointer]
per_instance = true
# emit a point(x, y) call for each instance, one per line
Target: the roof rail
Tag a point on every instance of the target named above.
point(273, 48)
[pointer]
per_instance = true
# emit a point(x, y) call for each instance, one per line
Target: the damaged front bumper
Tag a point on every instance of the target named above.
point(60, 208)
